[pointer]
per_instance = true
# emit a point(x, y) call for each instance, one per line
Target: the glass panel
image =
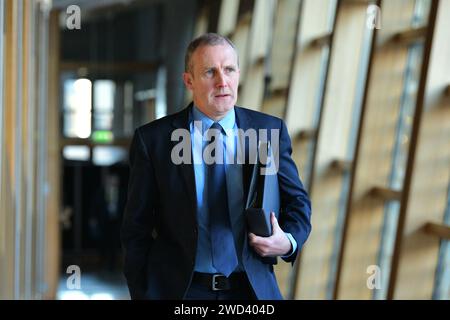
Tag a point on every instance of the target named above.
point(421, 12)
point(104, 93)
point(107, 155)
point(442, 282)
point(103, 121)
point(78, 153)
point(77, 108)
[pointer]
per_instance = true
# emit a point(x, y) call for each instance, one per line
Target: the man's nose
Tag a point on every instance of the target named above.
point(221, 79)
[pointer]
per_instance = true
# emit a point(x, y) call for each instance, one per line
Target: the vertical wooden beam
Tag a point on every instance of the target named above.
point(30, 167)
point(54, 160)
point(3, 212)
point(354, 166)
point(20, 126)
point(412, 149)
point(10, 143)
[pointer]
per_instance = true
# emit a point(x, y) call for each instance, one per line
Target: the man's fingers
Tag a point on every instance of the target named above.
point(258, 242)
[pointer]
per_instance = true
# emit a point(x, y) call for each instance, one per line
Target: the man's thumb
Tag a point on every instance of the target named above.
point(274, 221)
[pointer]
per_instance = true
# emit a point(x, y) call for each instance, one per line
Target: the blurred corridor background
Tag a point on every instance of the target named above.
point(363, 86)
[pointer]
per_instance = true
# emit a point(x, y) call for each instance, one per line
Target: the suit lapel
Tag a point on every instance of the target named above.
point(187, 170)
point(244, 122)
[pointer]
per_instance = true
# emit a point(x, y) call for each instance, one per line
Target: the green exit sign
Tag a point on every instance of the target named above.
point(102, 136)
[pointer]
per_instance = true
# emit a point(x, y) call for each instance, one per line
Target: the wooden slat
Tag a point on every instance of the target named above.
point(321, 41)
point(242, 22)
point(341, 165)
point(385, 194)
point(2, 161)
point(441, 231)
point(280, 92)
point(53, 247)
point(410, 35)
point(306, 134)
point(245, 19)
point(9, 144)
point(274, 105)
point(25, 280)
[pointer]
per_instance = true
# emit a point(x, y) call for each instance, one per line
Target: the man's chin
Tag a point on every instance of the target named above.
point(225, 109)
point(222, 107)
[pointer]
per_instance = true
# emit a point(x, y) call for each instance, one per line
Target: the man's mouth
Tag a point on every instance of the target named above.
point(222, 95)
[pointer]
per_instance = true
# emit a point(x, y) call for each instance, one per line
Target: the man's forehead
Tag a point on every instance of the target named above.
point(221, 53)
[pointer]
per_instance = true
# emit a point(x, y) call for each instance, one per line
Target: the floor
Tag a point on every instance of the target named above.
point(93, 286)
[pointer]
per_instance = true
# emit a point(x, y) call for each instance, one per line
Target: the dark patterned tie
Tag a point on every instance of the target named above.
point(222, 242)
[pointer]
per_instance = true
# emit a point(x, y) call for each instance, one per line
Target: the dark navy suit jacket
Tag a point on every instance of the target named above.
point(159, 231)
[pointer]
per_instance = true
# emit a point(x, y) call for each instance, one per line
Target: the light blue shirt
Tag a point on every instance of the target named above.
point(199, 123)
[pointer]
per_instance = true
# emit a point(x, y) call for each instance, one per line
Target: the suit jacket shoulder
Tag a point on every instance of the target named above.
point(261, 119)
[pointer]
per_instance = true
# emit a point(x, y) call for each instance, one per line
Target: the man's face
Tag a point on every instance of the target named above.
point(213, 79)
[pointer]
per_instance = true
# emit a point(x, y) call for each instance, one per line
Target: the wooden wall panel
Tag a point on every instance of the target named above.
point(315, 272)
point(54, 162)
point(282, 51)
point(240, 39)
point(314, 22)
point(23, 216)
point(252, 91)
point(30, 168)
point(3, 241)
point(227, 17)
point(283, 42)
point(288, 98)
point(8, 183)
point(376, 141)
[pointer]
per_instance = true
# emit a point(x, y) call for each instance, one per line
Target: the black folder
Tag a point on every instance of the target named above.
point(263, 197)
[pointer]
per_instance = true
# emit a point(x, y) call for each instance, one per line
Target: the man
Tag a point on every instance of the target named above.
point(184, 230)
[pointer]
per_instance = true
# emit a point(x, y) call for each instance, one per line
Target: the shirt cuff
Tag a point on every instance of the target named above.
point(293, 243)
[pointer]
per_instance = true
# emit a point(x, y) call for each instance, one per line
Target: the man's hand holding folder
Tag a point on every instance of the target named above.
point(262, 208)
point(277, 244)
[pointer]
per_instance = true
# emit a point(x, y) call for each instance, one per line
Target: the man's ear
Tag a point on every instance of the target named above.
point(187, 79)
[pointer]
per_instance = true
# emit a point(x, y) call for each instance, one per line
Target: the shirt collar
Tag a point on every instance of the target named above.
point(228, 122)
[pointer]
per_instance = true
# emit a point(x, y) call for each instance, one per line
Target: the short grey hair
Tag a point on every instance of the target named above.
point(207, 39)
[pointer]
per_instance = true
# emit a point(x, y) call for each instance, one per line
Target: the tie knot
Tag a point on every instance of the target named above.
point(216, 126)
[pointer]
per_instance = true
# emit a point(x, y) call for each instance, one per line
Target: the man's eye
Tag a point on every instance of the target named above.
point(209, 72)
point(230, 69)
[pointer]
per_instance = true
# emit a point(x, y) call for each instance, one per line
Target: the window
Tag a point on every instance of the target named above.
point(77, 108)
point(104, 92)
